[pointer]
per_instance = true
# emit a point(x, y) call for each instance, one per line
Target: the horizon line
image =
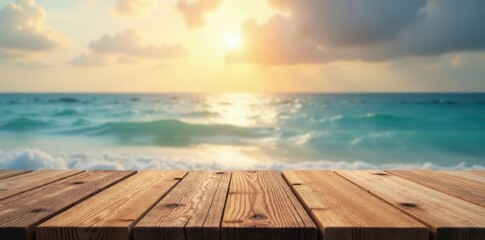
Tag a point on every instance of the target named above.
point(255, 92)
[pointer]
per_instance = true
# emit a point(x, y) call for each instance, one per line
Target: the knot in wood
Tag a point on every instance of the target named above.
point(409, 205)
point(127, 220)
point(258, 217)
point(381, 174)
point(38, 210)
point(172, 205)
point(220, 172)
point(78, 182)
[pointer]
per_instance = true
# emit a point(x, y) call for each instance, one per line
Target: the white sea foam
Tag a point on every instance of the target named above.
point(37, 159)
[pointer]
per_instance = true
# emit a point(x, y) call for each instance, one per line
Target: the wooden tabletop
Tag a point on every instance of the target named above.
point(242, 205)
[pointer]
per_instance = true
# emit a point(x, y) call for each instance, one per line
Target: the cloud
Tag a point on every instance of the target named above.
point(374, 30)
point(90, 3)
point(90, 59)
point(457, 61)
point(23, 29)
point(126, 46)
point(194, 12)
point(131, 43)
point(134, 7)
point(353, 22)
point(32, 64)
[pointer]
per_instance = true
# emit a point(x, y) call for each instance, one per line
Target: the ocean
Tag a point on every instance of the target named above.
point(242, 131)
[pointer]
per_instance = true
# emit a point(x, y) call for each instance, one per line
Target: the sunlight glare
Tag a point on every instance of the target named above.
point(241, 109)
point(234, 41)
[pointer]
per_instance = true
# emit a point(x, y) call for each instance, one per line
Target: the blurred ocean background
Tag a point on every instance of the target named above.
point(242, 131)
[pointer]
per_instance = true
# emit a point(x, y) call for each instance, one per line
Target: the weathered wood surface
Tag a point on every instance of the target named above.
point(477, 176)
point(343, 211)
point(22, 183)
point(10, 173)
point(112, 213)
point(480, 173)
point(447, 217)
point(20, 214)
point(260, 205)
point(191, 211)
point(453, 184)
point(246, 205)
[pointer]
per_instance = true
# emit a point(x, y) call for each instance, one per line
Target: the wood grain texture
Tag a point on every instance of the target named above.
point(447, 217)
point(464, 188)
point(25, 182)
point(477, 176)
point(480, 173)
point(20, 214)
point(10, 173)
point(191, 211)
point(260, 205)
point(111, 214)
point(344, 211)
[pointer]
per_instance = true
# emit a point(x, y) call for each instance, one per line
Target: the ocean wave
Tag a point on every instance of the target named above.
point(68, 100)
point(80, 122)
point(369, 119)
point(434, 102)
point(36, 159)
point(168, 131)
point(66, 113)
point(200, 114)
point(24, 123)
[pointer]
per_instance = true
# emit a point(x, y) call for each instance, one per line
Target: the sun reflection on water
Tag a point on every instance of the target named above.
point(242, 109)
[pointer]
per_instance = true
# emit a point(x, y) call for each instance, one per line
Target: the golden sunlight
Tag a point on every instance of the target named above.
point(234, 41)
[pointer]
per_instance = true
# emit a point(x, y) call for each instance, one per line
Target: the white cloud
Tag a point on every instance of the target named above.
point(90, 59)
point(23, 29)
point(134, 7)
point(131, 43)
point(194, 12)
point(126, 46)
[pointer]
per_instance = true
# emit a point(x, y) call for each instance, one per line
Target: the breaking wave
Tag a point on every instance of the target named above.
point(36, 159)
point(169, 132)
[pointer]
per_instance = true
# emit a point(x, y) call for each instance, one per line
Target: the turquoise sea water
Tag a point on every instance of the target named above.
point(241, 131)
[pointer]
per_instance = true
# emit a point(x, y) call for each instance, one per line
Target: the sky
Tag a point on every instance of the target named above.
point(242, 46)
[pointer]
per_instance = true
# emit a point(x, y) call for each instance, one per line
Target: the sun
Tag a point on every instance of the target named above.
point(234, 41)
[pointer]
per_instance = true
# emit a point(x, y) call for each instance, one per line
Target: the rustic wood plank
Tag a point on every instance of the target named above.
point(480, 173)
point(477, 176)
point(464, 188)
point(344, 211)
point(25, 182)
point(260, 205)
point(112, 213)
point(448, 217)
point(20, 214)
point(191, 211)
point(10, 173)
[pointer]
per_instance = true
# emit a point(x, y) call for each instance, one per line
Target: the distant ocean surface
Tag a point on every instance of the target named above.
point(242, 131)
